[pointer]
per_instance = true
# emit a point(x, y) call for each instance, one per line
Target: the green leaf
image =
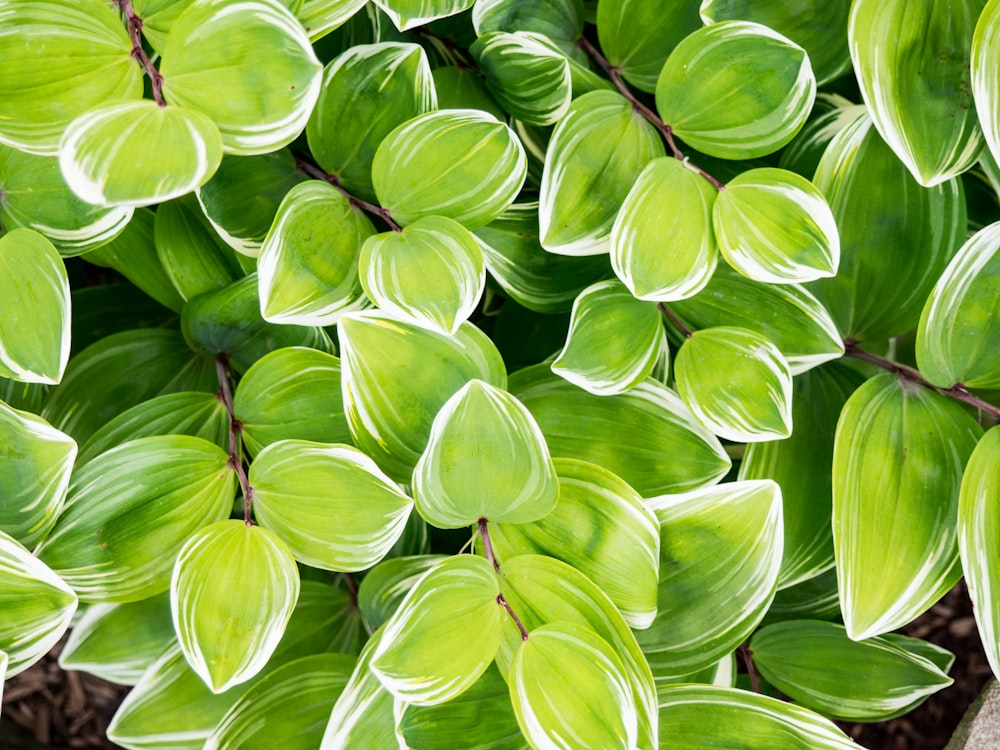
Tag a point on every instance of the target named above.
point(736, 90)
point(105, 164)
point(320, 17)
point(34, 195)
point(651, 426)
point(406, 14)
point(119, 642)
point(614, 340)
point(308, 264)
point(877, 203)
point(567, 683)
point(815, 599)
point(35, 319)
point(527, 74)
point(463, 88)
point(801, 465)
point(35, 468)
point(961, 318)
point(596, 153)
point(199, 414)
point(977, 534)
point(787, 315)
point(720, 550)
point(737, 383)
point(985, 81)
point(291, 393)
point(396, 376)
point(602, 528)
point(106, 309)
point(481, 718)
point(287, 709)
point(559, 20)
point(542, 591)
point(693, 717)
point(120, 371)
point(774, 226)
point(38, 606)
point(485, 458)
point(330, 504)
point(458, 163)
point(385, 586)
point(817, 665)
point(665, 255)
point(117, 537)
point(444, 635)
point(229, 320)
point(898, 457)
point(250, 68)
point(831, 114)
point(228, 630)
point(431, 273)
point(917, 88)
point(87, 62)
point(539, 280)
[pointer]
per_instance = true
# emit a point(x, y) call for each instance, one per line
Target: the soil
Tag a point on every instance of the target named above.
point(45, 707)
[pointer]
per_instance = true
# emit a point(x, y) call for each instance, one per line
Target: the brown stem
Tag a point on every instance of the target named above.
point(674, 319)
point(615, 74)
point(747, 655)
point(235, 430)
point(484, 533)
point(520, 625)
point(312, 170)
point(957, 391)
point(135, 34)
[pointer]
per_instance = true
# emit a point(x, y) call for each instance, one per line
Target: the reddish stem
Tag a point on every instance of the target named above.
point(747, 655)
point(235, 431)
point(134, 24)
point(313, 171)
point(674, 319)
point(484, 533)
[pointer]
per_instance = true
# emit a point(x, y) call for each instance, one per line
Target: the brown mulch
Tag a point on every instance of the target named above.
point(46, 707)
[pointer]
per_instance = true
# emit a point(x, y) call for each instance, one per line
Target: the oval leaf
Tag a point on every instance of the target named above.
point(406, 14)
point(985, 81)
point(386, 585)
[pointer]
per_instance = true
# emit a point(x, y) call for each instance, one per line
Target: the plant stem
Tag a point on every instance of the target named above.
point(520, 625)
point(674, 319)
point(484, 533)
point(747, 656)
point(235, 430)
point(313, 171)
point(615, 74)
point(957, 391)
point(135, 34)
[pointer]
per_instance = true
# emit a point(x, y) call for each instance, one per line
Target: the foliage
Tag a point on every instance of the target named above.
point(442, 374)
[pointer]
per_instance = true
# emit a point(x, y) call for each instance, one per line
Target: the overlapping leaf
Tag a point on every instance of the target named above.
point(561, 21)
point(985, 82)
point(320, 17)
point(406, 14)
point(386, 585)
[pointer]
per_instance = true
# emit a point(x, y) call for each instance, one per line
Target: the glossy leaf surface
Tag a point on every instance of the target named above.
point(985, 81)
point(406, 14)
point(386, 585)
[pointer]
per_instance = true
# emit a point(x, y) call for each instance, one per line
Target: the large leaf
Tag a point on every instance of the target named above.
point(559, 20)
point(596, 153)
point(386, 585)
point(367, 92)
point(331, 504)
point(35, 318)
point(308, 265)
point(60, 59)
point(458, 163)
point(961, 318)
point(602, 528)
point(651, 425)
point(567, 685)
point(898, 457)
point(818, 666)
point(720, 549)
point(485, 458)
point(249, 67)
point(614, 341)
point(985, 81)
point(406, 14)
point(665, 255)
point(129, 511)
point(896, 237)
point(396, 376)
point(37, 607)
point(320, 17)
point(291, 393)
point(104, 163)
point(35, 467)
point(445, 633)
point(917, 88)
point(736, 90)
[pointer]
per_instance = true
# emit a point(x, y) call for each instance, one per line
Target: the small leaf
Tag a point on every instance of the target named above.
point(736, 90)
point(459, 163)
point(815, 599)
point(665, 255)
point(737, 383)
point(386, 585)
point(431, 273)
point(775, 226)
point(566, 682)
point(444, 635)
point(985, 81)
point(614, 340)
point(406, 14)
point(559, 20)
point(320, 17)
point(228, 629)
point(35, 319)
point(898, 457)
point(485, 458)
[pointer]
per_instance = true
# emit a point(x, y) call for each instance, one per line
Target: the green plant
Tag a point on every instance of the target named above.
point(407, 411)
